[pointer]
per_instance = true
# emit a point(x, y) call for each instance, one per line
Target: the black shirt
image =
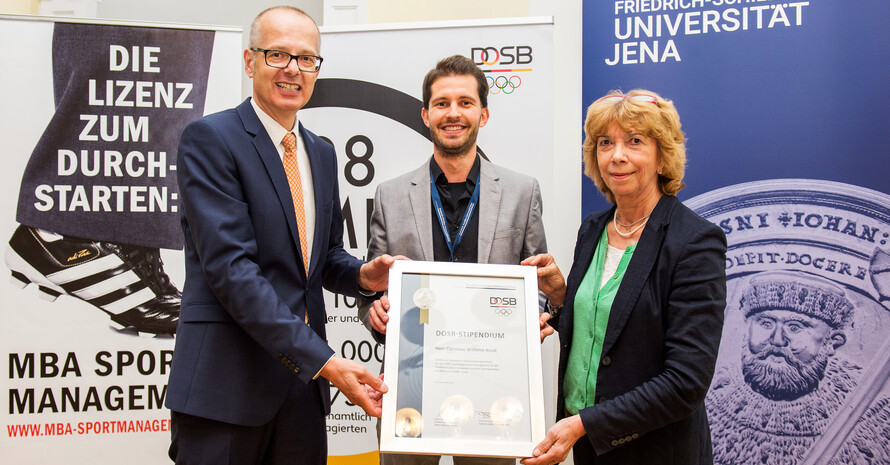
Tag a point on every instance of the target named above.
point(455, 196)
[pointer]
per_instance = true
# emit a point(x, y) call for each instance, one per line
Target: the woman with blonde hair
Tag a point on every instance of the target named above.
point(641, 313)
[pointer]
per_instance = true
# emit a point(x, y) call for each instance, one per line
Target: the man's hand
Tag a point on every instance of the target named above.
point(374, 275)
point(559, 441)
point(357, 384)
point(378, 314)
point(550, 279)
point(375, 395)
point(546, 329)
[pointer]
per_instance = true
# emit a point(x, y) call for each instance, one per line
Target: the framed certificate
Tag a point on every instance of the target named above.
point(463, 361)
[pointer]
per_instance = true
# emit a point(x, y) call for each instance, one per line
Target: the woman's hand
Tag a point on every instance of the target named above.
point(559, 441)
point(378, 314)
point(546, 329)
point(550, 279)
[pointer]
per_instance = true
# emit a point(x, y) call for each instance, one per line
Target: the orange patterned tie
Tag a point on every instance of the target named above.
point(292, 169)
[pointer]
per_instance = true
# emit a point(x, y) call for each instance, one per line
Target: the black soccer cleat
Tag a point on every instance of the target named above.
point(127, 282)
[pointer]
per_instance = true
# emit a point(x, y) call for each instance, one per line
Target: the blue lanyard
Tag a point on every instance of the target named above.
point(440, 213)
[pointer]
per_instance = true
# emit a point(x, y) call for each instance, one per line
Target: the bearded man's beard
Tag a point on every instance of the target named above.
point(453, 151)
point(783, 381)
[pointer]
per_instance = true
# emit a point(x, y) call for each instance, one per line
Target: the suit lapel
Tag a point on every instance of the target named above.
point(587, 242)
point(272, 162)
point(638, 269)
point(419, 197)
point(586, 245)
point(317, 165)
point(489, 199)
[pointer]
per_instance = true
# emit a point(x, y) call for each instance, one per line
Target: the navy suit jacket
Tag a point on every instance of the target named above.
point(241, 338)
point(661, 339)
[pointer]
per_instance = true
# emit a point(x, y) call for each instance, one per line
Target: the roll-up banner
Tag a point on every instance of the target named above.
point(783, 105)
point(91, 118)
point(367, 102)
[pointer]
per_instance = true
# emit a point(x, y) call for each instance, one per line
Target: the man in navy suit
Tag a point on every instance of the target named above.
point(251, 366)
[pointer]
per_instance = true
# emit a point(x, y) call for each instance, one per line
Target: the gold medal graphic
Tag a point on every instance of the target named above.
point(408, 423)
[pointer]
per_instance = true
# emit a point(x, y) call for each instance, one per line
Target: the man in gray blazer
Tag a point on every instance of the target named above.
point(477, 213)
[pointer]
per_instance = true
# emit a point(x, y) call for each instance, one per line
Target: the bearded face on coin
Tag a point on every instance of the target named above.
point(774, 370)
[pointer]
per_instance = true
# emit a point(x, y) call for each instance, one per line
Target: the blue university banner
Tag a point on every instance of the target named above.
point(783, 106)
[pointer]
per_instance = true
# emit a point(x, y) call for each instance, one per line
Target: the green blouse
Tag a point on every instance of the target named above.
point(592, 307)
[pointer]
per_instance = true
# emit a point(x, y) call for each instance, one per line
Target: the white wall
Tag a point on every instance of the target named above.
point(19, 7)
point(221, 12)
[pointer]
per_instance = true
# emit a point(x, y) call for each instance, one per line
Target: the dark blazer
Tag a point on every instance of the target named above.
point(661, 340)
point(242, 339)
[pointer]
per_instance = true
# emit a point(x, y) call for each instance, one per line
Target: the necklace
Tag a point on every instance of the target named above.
point(632, 231)
point(626, 226)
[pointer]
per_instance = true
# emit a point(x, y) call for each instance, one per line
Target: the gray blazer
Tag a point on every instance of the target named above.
point(510, 225)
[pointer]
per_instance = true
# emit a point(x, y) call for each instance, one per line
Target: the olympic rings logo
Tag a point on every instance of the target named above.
point(499, 84)
point(503, 311)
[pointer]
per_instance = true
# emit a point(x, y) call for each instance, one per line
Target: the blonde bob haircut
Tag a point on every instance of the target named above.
point(658, 121)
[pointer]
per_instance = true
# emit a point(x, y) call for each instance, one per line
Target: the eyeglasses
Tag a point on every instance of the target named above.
point(279, 59)
point(633, 98)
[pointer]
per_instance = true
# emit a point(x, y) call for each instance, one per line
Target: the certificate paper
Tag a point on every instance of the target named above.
point(462, 361)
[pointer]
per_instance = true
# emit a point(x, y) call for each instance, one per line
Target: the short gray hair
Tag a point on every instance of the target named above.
point(255, 35)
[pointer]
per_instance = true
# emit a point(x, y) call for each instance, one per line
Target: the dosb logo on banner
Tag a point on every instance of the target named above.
point(507, 55)
point(500, 79)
